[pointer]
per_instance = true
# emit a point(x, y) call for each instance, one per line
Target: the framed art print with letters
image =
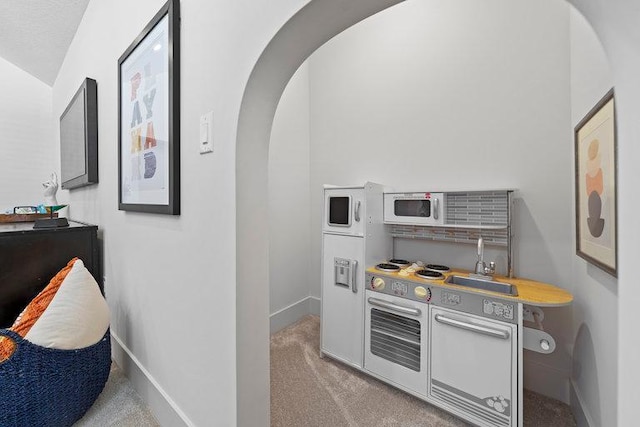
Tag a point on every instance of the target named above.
point(149, 117)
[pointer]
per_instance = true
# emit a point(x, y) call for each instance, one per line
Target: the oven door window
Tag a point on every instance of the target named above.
point(395, 338)
point(412, 208)
point(339, 212)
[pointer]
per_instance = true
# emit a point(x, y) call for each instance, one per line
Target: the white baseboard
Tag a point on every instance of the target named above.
point(163, 408)
point(292, 313)
point(314, 306)
point(578, 407)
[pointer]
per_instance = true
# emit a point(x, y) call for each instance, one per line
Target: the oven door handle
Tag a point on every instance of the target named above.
point(395, 307)
point(472, 327)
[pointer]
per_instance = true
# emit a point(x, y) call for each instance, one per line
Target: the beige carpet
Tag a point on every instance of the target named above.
point(119, 405)
point(309, 391)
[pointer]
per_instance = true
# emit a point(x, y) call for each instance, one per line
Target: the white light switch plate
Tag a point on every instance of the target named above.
point(206, 133)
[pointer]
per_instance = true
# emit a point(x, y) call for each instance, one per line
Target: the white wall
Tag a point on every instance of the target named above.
point(616, 25)
point(595, 367)
point(289, 205)
point(442, 95)
point(170, 281)
point(29, 155)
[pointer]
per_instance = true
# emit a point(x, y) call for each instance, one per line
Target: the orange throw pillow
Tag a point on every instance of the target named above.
point(33, 311)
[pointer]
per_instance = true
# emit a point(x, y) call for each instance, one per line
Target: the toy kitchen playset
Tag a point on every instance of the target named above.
point(450, 337)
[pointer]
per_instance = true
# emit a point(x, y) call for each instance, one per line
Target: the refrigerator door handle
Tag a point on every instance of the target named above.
point(354, 276)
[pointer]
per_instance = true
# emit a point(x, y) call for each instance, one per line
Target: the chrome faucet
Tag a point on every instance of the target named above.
point(481, 270)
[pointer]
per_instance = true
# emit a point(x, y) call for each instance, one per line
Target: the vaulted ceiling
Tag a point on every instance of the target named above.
point(35, 34)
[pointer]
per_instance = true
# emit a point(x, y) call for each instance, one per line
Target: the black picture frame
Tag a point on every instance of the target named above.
point(596, 195)
point(79, 138)
point(149, 145)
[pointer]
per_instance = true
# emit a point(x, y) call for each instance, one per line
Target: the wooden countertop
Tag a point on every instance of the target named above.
point(529, 291)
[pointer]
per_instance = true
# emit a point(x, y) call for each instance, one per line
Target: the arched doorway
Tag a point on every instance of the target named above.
point(311, 27)
point(306, 31)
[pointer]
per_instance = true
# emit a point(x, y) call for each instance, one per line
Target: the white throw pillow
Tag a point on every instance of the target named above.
point(77, 317)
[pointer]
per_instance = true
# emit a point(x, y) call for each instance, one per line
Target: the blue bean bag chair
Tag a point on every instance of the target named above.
point(56, 357)
point(49, 387)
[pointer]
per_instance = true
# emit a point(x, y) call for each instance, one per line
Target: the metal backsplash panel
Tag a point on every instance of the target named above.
point(445, 234)
point(473, 208)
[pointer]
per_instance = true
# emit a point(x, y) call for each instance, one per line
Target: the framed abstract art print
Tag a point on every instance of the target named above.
point(595, 181)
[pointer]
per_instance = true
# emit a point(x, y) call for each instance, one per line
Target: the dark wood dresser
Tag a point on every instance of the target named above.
point(30, 258)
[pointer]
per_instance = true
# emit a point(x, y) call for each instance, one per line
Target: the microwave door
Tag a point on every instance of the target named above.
point(412, 208)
